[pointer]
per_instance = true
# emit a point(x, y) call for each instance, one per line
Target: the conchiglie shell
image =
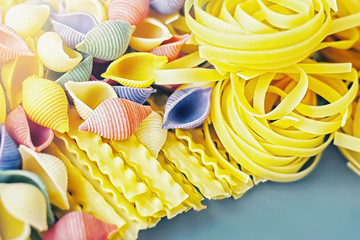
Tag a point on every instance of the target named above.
point(92, 7)
point(14, 72)
point(53, 172)
point(45, 103)
point(88, 95)
point(11, 227)
point(133, 11)
point(2, 105)
point(27, 19)
point(116, 119)
point(26, 203)
point(11, 44)
point(49, 45)
point(135, 69)
point(187, 108)
point(167, 7)
point(138, 95)
point(9, 154)
point(149, 34)
point(25, 132)
point(80, 73)
point(171, 48)
point(151, 134)
point(73, 27)
point(21, 176)
point(108, 40)
point(80, 225)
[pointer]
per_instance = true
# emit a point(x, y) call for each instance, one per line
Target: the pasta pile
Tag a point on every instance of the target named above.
point(116, 113)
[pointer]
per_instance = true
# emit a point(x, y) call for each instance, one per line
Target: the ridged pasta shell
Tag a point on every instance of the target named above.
point(134, 69)
point(27, 19)
point(171, 48)
point(151, 134)
point(108, 40)
point(116, 119)
point(88, 95)
point(187, 108)
point(14, 72)
point(80, 225)
point(138, 95)
point(80, 73)
point(52, 170)
point(9, 154)
point(38, 93)
point(49, 45)
point(93, 7)
point(24, 202)
point(149, 34)
point(2, 105)
point(26, 132)
point(11, 44)
point(167, 7)
point(133, 11)
point(21, 176)
point(73, 27)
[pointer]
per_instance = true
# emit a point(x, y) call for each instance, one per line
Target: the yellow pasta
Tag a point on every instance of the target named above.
point(2, 106)
point(92, 192)
point(150, 171)
point(177, 152)
point(51, 170)
point(120, 175)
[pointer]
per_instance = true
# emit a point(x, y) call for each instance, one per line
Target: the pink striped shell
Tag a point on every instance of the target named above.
point(133, 11)
point(116, 119)
point(26, 132)
point(80, 225)
point(171, 48)
point(11, 44)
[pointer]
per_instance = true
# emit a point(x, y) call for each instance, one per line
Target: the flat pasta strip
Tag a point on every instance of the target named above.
point(149, 169)
point(120, 175)
point(130, 223)
point(195, 198)
point(177, 152)
point(197, 145)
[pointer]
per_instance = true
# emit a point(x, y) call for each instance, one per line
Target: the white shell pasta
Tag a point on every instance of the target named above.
point(50, 45)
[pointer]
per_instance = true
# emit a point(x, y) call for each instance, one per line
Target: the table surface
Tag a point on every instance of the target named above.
point(324, 205)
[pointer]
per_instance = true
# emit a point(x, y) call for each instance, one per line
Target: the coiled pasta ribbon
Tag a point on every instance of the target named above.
point(272, 125)
point(255, 35)
point(348, 139)
point(345, 45)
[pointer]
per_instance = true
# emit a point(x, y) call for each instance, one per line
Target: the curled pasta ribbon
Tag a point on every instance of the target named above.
point(272, 125)
point(345, 45)
point(348, 139)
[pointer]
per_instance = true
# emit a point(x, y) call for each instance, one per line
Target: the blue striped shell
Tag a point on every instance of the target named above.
point(80, 73)
point(187, 108)
point(72, 27)
point(166, 7)
point(138, 95)
point(9, 155)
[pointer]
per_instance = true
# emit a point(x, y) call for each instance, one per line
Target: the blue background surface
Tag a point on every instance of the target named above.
point(324, 205)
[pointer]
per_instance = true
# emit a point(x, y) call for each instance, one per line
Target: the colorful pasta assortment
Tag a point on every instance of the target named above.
point(115, 114)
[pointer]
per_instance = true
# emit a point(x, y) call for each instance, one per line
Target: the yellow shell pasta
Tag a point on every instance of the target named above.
point(39, 92)
point(27, 19)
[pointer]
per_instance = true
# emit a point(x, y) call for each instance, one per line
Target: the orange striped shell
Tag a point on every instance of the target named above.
point(133, 11)
point(116, 119)
point(11, 44)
